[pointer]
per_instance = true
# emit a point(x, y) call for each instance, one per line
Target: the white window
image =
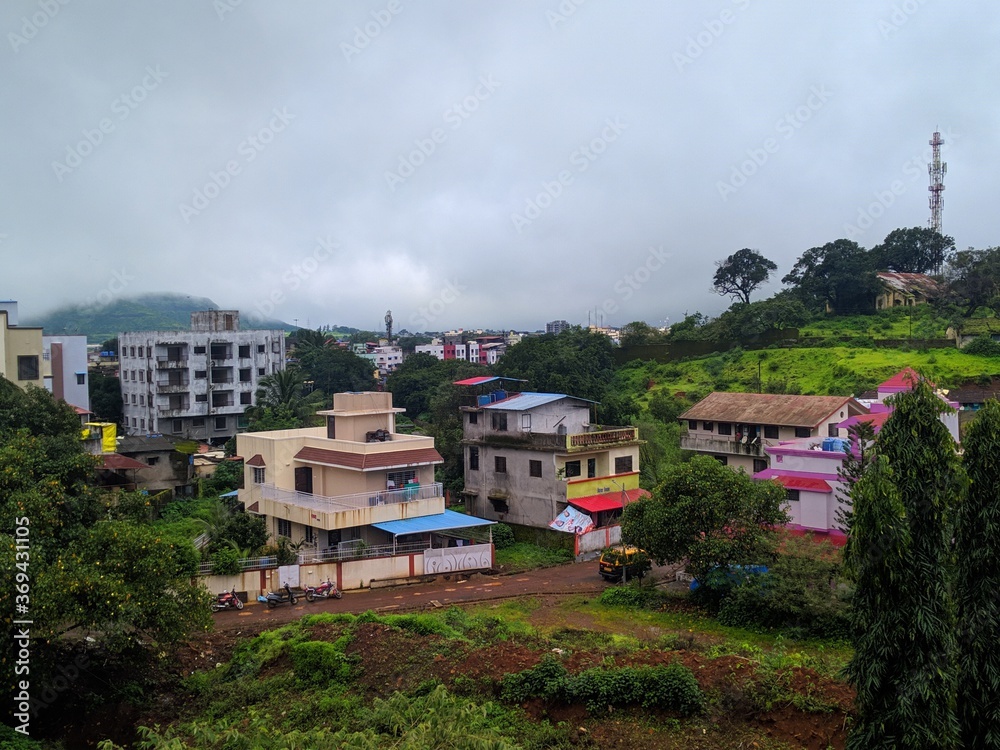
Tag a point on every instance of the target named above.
point(526, 422)
point(258, 475)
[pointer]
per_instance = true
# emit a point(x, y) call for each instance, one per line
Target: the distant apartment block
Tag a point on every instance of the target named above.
point(556, 326)
point(485, 350)
point(21, 348)
point(195, 384)
point(65, 364)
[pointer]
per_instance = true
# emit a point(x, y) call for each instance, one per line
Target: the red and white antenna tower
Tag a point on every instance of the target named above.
point(937, 170)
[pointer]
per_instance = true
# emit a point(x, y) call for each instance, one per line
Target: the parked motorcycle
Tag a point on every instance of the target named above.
point(281, 596)
point(323, 591)
point(227, 600)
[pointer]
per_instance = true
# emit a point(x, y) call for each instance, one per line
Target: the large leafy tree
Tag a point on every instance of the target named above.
point(413, 382)
point(575, 362)
point(105, 397)
point(913, 250)
point(709, 515)
point(839, 275)
point(906, 682)
point(741, 273)
point(286, 390)
point(640, 333)
point(337, 370)
point(974, 279)
point(977, 544)
point(96, 567)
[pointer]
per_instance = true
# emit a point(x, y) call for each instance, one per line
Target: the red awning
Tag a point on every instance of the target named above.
point(804, 483)
point(606, 500)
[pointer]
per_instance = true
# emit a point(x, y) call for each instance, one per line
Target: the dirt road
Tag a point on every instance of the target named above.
point(572, 578)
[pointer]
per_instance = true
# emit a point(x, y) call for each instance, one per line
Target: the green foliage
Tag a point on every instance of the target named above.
point(244, 531)
point(337, 370)
point(977, 583)
point(527, 556)
point(503, 536)
point(913, 250)
point(105, 396)
point(840, 274)
point(282, 399)
point(983, 346)
point(974, 279)
point(632, 596)
point(672, 687)
point(665, 407)
point(741, 273)
point(320, 664)
point(228, 476)
point(904, 617)
point(706, 514)
point(226, 562)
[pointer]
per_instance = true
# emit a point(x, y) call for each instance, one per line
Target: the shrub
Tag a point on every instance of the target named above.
point(503, 536)
point(630, 596)
point(983, 346)
point(319, 663)
point(226, 562)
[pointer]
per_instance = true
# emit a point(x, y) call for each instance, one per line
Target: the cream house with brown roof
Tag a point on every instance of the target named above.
point(354, 486)
point(736, 427)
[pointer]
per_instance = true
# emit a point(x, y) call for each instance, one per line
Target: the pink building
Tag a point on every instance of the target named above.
point(807, 467)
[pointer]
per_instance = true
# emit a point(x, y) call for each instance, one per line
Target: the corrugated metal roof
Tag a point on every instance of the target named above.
point(910, 283)
point(904, 380)
point(438, 522)
point(769, 408)
point(117, 461)
point(530, 400)
point(607, 500)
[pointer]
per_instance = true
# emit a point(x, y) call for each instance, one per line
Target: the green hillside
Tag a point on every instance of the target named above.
point(819, 371)
point(146, 312)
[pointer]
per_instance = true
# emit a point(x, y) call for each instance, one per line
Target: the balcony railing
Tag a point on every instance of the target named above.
point(727, 447)
point(583, 440)
point(350, 502)
point(171, 362)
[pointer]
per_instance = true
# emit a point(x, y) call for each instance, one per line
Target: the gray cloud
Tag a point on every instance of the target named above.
point(148, 105)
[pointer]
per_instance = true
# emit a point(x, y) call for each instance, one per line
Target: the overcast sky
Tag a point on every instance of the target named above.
point(476, 164)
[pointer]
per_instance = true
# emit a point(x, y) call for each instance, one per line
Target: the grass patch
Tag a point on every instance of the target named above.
point(525, 556)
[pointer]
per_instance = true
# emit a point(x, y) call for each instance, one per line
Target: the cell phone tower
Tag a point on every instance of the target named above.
point(937, 170)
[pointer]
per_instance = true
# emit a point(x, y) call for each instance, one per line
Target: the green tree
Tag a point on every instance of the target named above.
point(337, 370)
point(858, 453)
point(973, 278)
point(741, 273)
point(913, 250)
point(639, 333)
point(709, 515)
point(244, 531)
point(909, 687)
point(839, 274)
point(105, 397)
point(286, 390)
point(977, 537)
point(876, 558)
point(413, 382)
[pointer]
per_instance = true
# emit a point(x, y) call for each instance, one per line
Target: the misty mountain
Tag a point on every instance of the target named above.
point(144, 312)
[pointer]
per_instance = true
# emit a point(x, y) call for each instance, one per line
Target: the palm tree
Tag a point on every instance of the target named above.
point(286, 390)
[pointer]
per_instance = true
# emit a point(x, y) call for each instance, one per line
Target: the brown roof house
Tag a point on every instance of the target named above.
point(736, 427)
point(906, 289)
point(357, 497)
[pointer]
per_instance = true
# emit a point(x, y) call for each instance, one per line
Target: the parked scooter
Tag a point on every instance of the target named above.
point(323, 591)
point(281, 596)
point(227, 600)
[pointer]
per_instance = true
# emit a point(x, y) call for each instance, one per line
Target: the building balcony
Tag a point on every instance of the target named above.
point(168, 362)
point(168, 411)
point(344, 511)
point(168, 387)
point(725, 447)
point(579, 442)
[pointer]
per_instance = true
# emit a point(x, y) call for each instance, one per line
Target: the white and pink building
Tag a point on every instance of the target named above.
point(808, 467)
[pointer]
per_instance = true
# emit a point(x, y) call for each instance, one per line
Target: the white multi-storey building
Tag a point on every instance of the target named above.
point(195, 384)
point(65, 367)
